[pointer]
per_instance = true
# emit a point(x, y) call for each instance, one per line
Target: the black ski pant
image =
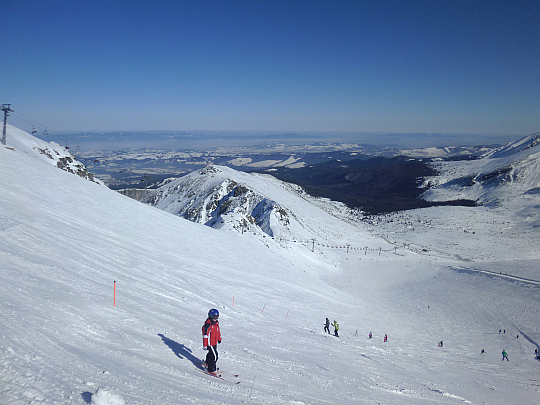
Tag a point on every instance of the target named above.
point(211, 358)
point(327, 329)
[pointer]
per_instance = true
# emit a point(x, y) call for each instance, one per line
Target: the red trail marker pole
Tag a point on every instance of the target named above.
point(114, 300)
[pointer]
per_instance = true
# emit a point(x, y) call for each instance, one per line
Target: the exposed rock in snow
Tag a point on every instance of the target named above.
point(53, 153)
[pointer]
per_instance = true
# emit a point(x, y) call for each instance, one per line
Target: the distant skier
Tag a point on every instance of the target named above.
point(211, 338)
point(327, 325)
point(505, 355)
point(441, 343)
point(385, 338)
point(483, 351)
point(370, 335)
point(335, 325)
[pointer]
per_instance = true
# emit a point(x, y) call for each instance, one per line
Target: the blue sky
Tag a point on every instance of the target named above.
point(385, 66)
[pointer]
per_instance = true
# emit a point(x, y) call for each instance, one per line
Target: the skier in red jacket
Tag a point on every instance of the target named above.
point(211, 338)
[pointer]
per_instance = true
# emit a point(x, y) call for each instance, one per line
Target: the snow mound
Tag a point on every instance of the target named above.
point(102, 397)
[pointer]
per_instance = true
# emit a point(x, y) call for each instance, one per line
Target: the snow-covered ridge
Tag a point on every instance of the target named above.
point(512, 148)
point(212, 197)
point(500, 176)
point(221, 197)
point(51, 153)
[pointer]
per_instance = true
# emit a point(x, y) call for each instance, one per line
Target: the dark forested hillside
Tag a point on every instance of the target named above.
point(376, 185)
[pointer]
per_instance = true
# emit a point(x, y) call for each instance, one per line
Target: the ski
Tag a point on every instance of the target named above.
point(228, 373)
point(213, 374)
point(219, 375)
point(218, 371)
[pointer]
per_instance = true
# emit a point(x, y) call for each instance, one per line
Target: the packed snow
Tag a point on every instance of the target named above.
point(102, 300)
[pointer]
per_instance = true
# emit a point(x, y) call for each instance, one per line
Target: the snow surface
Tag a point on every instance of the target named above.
point(65, 241)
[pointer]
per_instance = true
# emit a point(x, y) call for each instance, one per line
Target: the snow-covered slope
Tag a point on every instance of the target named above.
point(64, 241)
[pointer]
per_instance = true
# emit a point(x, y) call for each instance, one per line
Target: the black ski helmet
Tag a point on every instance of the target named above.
point(213, 314)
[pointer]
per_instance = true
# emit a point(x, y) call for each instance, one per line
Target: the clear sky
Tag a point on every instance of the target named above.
point(456, 66)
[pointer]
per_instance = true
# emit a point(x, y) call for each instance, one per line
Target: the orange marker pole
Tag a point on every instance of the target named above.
point(233, 299)
point(263, 308)
point(114, 301)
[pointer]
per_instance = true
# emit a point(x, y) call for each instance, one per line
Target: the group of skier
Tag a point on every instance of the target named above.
point(440, 344)
point(335, 325)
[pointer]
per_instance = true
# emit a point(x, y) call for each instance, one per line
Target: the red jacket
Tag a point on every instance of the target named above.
point(211, 333)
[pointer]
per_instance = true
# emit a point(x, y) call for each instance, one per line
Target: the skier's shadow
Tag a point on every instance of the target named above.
point(87, 397)
point(181, 351)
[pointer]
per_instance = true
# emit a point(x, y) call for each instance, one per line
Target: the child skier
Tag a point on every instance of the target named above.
point(211, 338)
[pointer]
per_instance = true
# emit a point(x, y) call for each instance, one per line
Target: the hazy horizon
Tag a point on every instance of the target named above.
point(206, 140)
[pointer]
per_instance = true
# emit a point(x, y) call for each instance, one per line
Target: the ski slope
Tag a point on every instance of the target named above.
point(65, 241)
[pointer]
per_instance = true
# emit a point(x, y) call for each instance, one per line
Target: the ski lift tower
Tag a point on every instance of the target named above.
point(6, 109)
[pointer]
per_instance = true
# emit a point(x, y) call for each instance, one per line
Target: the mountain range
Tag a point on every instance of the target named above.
point(219, 196)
